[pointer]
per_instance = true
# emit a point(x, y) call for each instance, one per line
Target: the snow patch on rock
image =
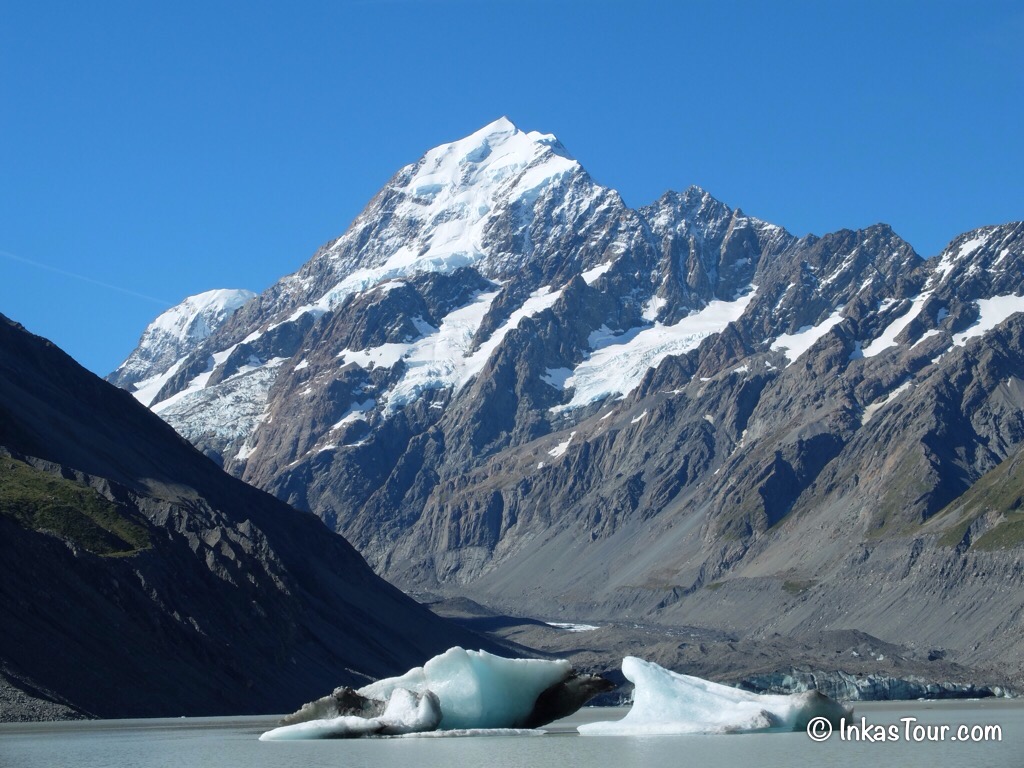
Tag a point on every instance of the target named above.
point(618, 363)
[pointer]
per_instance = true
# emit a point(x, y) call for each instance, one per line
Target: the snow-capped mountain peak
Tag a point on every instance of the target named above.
point(500, 364)
point(493, 153)
point(177, 331)
point(198, 316)
point(470, 202)
point(456, 186)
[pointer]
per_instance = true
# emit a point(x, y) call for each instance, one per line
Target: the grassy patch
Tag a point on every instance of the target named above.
point(797, 586)
point(47, 503)
point(1006, 534)
point(953, 536)
point(1001, 492)
point(907, 484)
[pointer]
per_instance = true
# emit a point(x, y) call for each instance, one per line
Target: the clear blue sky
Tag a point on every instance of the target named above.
point(149, 151)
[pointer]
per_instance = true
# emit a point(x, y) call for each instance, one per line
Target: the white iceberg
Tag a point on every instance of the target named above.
point(665, 702)
point(459, 690)
point(406, 712)
point(478, 689)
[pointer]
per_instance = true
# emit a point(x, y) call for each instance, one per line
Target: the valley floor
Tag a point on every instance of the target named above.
point(844, 664)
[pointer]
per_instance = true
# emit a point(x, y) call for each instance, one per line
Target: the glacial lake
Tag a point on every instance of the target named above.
point(233, 742)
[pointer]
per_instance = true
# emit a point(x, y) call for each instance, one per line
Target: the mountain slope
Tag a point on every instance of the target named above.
point(502, 382)
point(171, 335)
point(140, 580)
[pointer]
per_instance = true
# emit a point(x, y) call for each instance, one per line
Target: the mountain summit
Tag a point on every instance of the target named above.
point(502, 382)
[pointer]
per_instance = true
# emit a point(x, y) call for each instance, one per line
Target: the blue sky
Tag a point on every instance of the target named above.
point(149, 151)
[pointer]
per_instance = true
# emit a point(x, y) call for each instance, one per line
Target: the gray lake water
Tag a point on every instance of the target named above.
point(223, 742)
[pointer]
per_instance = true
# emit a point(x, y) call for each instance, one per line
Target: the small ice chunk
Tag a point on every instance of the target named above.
point(572, 627)
point(406, 712)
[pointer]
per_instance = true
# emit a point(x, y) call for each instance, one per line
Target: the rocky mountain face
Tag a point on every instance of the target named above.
point(502, 382)
point(141, 580)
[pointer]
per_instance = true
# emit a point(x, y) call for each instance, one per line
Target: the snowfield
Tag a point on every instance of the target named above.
point(618, 363)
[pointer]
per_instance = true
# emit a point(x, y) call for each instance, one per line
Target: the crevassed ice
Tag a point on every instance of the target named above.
point(231, 410)
point(442, 360)
point(194, 386)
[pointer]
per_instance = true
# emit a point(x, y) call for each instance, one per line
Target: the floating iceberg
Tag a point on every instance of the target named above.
point(456, 691)
point(405, 712)
point(668, 703)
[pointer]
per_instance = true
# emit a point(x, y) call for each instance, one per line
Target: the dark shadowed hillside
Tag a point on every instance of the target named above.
point(141, 580)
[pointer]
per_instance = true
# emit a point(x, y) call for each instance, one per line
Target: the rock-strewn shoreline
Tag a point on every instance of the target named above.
point(846, 665)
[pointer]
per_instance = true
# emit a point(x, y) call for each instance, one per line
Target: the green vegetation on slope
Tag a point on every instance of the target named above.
point(1008, 533)
point(44, 502)
point(908, 484)
point(999, 493)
